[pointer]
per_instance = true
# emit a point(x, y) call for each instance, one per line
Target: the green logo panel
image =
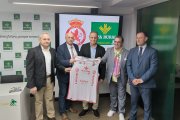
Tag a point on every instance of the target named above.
point(18, 72)
point(36, 17)
point(27, 45)
point(16, 16)
point(46, 26)
point(7, 46)
point(107, 31)
point(8, 64)
point(162, 33)
point(6, 25)
point(27, 25)
point(17, 55)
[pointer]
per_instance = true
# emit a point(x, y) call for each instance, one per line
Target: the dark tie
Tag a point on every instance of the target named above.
point(140, 53)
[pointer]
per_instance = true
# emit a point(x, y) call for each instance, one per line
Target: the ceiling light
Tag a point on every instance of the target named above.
point(55, 5)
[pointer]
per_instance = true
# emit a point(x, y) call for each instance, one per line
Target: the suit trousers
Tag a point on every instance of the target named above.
point(45, 94)
point(64, 104)
point(95, 105)
point(117, 96)
point(146, 95)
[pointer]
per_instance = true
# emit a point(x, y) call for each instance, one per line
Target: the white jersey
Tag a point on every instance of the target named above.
point(83, 80)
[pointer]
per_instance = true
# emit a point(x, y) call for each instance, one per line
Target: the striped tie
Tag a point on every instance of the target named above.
point(72, 53)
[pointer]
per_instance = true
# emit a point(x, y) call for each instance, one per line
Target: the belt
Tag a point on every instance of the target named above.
point(48, 76)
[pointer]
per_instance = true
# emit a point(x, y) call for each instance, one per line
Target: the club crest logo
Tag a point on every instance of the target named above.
point(77, 30)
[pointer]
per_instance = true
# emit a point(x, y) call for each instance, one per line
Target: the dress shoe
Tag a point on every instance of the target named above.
point(96, 113)
point(73, 110)
point(83, 112)
point(51, 118)
point(64, 116)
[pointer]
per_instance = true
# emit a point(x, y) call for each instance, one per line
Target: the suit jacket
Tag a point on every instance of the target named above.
point(100, 51)
point(36, 67)
point(144, 68)
point(63, 58)
point(108, 58)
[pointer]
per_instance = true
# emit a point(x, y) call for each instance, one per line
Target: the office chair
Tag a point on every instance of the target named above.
point(11, 78)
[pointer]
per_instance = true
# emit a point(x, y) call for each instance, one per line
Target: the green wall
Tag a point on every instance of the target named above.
point(161, 23)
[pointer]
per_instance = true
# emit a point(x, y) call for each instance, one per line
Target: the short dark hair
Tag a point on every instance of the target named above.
point(145, 33)
point(120, 37)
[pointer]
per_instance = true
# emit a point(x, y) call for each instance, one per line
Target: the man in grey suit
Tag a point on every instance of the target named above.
point(142, 65)
point(40, 74)
point(116, 74)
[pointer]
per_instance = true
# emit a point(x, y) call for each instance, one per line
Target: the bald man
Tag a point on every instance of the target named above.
point(65, 59)
point(40, 62)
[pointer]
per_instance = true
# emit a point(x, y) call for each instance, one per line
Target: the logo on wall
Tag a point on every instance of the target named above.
point(77, 30)
point(107, 31)
point(36, 17)
point(7, 46)
point(8, 64)
point(6, 25)
point(16, 16)
point(27, 25)
point(46, 26)
point(17, 55)
point(27, 45)
point(18, 72)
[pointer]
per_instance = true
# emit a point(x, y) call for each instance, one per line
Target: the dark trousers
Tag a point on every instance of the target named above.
point(64, 104)
point(146, 96)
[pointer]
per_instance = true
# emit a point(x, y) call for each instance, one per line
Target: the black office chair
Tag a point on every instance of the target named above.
point(11, 78)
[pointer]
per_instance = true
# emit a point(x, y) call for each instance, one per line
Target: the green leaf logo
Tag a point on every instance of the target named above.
point(27, 25)
point(46, 26)
point(13, 102)
point(6, 25)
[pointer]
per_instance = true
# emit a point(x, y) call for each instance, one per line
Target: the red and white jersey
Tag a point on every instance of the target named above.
point(83, 80)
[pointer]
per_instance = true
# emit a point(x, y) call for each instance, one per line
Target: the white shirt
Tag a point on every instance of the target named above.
point(47, 56)
point(74, 50)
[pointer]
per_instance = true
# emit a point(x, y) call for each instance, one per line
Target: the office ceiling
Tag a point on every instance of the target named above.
point(96, 3)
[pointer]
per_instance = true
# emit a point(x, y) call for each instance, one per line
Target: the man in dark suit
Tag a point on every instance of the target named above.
point(93, 50)
point(66, 54)
point(142, 65)
point(40, 74)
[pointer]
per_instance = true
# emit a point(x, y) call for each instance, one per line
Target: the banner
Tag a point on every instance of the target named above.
point(18, 33)
point(83, 80)
point(107, 28)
